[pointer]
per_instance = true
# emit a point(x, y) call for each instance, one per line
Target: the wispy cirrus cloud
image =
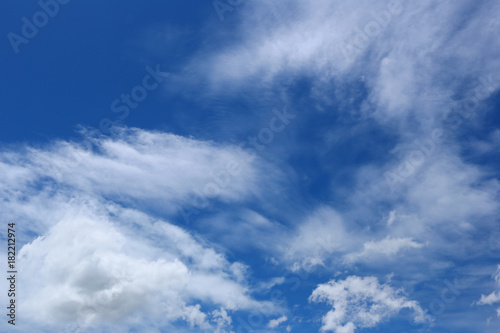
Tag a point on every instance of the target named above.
point(387, 247)
point(372, 83)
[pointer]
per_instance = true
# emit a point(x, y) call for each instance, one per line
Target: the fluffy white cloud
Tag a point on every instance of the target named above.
point(222, 319)
point(494, 297)
point(361, 302)
point(99, 265)
point(91, 272)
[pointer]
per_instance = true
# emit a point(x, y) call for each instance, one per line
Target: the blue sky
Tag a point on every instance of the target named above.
point(252, 166)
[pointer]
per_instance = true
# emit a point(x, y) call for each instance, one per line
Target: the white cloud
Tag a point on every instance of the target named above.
point(298, 36)
point(222, 319)
point(100, 265)
point(162, 170)
point(323, 235)
point(268, 285)
point(391, 218)
point(387, 246)
point(490, 299)
point(443, 195)
point(447, 191)
point(494, 297)
point(399, 62)
point(90, 272)
point(413, 72)
point(361, 302)
point(317, 238)
point(273, 323)
point(143, 169)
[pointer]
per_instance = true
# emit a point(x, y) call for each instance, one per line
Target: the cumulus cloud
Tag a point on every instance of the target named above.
point(91, 272)
point(361, 302)
point(100, 256)
point(86, 272)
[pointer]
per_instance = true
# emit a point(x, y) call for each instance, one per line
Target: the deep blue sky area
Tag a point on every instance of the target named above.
point(237, 166)
point(85, 57)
